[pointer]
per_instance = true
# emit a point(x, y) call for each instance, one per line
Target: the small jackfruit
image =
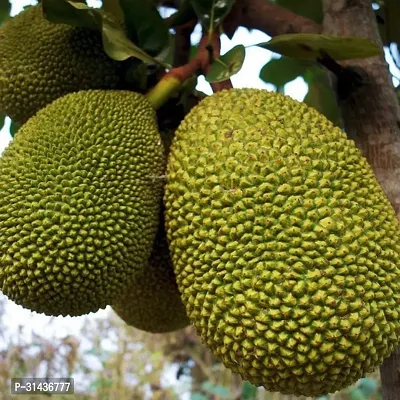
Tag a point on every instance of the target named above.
point(41, 61)
point(81, 186)
point(285, 248)
point(153, 303)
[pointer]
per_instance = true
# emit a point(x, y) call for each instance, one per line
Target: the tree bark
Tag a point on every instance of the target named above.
point(371, 116)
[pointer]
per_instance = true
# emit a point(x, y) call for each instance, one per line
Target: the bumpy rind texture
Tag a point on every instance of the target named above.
point(153, 303)
point(41, 61)
point(81, 186)
point(285, 248)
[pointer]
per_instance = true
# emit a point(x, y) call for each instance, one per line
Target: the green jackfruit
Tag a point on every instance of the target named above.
point(41, 61)
point(81, 186)
point(285, 248)
point(153, 302)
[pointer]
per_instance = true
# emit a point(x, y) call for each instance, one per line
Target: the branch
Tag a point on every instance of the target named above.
point(173, 80)
point(183, 43)
point(267, 17)
point(371, 116)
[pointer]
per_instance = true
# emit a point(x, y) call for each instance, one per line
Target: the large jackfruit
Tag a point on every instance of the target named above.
point(153, 303)
point(41, 61)
point(285, 248)
point(81, 186)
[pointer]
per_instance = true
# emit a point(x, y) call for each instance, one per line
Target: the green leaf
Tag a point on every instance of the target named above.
point(219, 390)
point(311, 9)
point(321, 95)
point(71, 13)
point(368, 386)
point(211, 12)
point(113, 7)
point(2, 120)
point(310, 46)
point(249, 391)
point(392, 18)
point(5, 8)
point(14, 128)
point(115, 42)
point(184, 14)
point(198, 396)
point(227, 65)
point(145, 25)
point(280, 71)
point(119, 47)
point(382, 25)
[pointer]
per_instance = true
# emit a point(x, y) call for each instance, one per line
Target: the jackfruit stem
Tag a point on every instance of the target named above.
point(171, 82)
point(163, 90)
point(176, 77)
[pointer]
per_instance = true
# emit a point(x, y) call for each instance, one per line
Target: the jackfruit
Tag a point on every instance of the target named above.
point(153, 302)
point(285, 248)
point(41, 61)
point(81, 186)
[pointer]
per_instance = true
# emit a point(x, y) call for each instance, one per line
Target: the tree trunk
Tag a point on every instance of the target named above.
point(371, 117)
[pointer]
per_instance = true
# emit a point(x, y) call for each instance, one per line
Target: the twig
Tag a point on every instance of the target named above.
point(263, 15)
point(267, 17)
point(173, 80)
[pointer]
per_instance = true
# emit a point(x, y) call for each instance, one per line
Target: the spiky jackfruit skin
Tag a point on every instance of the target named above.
point(81, 186)
point(41, 61)
point(153, 303)
point(285, 248)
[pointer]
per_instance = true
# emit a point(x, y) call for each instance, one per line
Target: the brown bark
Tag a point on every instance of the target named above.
point(267, 17)
point(371, 117)
point(371, 114)
point(183, 44)
point(390, 376)
point(263, 15)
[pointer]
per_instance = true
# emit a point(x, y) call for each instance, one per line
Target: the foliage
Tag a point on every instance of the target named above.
point(227, 65)
point(312, 46)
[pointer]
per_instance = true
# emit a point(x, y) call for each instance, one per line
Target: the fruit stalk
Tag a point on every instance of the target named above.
point(176, 77)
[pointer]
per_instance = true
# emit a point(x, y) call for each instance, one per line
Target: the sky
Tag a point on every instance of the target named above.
point(24, 322)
